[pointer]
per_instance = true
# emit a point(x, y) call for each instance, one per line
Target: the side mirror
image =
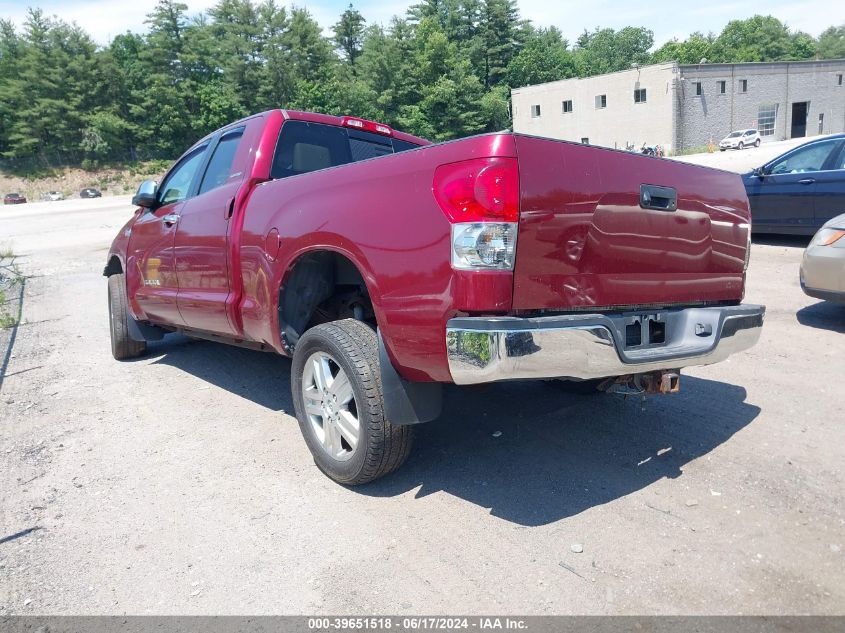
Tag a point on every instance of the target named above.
point(758, 171)
point(147, 195)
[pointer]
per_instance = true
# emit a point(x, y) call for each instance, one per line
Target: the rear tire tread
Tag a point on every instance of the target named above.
point(388, 445)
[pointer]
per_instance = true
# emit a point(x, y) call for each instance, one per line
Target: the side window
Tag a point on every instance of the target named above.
point(806, 159)
point(178, 182)
point(220, 165)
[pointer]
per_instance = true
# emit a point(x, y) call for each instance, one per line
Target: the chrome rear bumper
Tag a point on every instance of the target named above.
point(488, 349)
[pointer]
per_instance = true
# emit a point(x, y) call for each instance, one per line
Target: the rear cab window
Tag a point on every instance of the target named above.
point(304, 147)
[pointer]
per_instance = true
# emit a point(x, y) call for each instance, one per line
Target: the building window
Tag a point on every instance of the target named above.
point(567, 106)
point(722, 85)
point(585, 140)
point(601, 101)
point(821, 122)
point(766, 116)
point(639, 95)
point(698, 89)
point(839, 79)
point(535, 111)
point(743, 85)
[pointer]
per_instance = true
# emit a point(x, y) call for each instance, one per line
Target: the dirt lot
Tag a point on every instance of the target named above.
point(179, 483)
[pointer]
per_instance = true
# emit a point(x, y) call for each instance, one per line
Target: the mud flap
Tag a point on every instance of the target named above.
point(142, 332)
point(407, 402)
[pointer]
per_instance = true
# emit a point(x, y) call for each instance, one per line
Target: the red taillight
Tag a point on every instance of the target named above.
point(478, 190)
point(369, 126)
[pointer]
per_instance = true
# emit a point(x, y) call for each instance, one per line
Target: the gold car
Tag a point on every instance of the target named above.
point(823, 266)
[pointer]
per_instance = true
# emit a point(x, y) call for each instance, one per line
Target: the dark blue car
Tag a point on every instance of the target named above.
point(800, 190)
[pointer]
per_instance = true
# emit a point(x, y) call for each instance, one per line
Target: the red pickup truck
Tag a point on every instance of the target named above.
point(387, 266)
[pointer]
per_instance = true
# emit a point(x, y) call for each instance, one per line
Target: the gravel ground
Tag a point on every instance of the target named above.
point(179, 483)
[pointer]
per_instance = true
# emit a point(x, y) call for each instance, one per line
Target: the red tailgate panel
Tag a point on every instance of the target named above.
point(584, 241)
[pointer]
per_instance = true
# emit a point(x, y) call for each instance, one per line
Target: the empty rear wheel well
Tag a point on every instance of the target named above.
point(114, 267)
point(320, 287)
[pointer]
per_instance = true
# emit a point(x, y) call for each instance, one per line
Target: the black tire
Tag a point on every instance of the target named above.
point(580, 387)
point(381, 447)
point(721, 149)
point(122, 346)
point(757, 143)
point(741, 145)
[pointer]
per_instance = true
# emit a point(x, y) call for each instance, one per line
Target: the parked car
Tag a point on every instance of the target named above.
point(387, 266)
point(53, 196)
point(13, 198)
point(797, 192)
point(822, 273)
point(90, 192)
point(740, 140)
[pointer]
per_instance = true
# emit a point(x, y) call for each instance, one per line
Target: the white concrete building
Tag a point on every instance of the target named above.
point(681, 106)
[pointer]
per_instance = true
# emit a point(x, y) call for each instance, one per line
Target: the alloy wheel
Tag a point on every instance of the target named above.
point(330, 406)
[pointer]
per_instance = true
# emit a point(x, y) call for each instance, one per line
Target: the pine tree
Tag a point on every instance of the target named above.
point(349, 34)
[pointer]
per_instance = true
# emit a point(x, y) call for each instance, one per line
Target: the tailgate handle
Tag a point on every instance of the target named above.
point(659, 198)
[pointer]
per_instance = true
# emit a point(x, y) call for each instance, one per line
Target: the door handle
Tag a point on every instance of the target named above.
point(807, 181)
point(659, 198)
point(230, 207)
point(170, 219)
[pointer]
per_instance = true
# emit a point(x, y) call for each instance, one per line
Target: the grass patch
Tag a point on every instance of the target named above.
point(692, 150)
point(10, 278)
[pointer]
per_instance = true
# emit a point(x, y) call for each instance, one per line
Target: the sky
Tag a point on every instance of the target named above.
point(104, 19)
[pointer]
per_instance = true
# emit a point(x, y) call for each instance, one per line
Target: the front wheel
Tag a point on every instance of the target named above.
point(337, 395)
point(122, 345)
point(741, 145)
point(757, 143)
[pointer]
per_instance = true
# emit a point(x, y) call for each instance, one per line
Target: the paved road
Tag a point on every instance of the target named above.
point(179, 483)
point(745, 160)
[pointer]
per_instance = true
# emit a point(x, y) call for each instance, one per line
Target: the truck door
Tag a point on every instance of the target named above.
point(150, 269)
point(202, 240)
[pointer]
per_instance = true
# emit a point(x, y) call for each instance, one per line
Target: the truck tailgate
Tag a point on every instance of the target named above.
point(585, 241)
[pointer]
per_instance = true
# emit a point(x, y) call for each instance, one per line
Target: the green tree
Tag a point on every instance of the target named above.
point(49, 94)
point(756, 39)
point(387, 66)
point(499, 30)
point(607, 51)
point(164, 98)
point(10, 60)
point(690, 51)
point(831, 44)
point(277, 78)
point(446, 103)
point(349, 34)
point(545, 57)
point(232, 43)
